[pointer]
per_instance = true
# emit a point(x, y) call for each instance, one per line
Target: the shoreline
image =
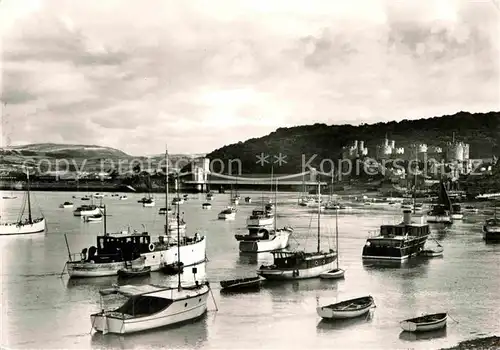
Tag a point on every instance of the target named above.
point(485, 343)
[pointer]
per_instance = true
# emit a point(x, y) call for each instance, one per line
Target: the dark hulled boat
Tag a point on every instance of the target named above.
point(241, 283)
point(397, 242)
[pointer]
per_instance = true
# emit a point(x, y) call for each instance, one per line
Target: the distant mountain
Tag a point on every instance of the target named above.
point(480, 130)
point(83, 157)
point(55, 150)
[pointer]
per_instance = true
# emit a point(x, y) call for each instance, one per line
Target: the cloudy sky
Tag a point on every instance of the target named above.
point(198, 75)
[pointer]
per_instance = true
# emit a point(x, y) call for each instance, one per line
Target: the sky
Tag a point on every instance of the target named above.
point(198, 75)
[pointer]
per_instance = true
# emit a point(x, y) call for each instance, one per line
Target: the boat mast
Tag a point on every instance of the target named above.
point(178, 242)
point(104, 214)
point(30, 220)
point(319, 214)
point(166, 191)
point(275, 202)
point(415, 184)
point(337, 235)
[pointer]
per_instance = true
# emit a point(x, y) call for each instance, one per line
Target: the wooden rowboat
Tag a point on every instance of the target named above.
point(432, 252)
point(347, 309)
point(425, 323)
point(333, 274)
point(129, 272)
point(241, 283)
point(172, 269)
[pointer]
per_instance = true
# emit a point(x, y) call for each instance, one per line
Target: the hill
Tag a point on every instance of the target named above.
point(300, 143)
point(52, 156)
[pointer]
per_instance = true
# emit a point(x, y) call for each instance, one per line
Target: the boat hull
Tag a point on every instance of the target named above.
point(190, 254)
point(295, 274)
point(23, 229)
point(279, 241)
point(183, 309)
point(409, 326)
point(327, 313)
point(224, 216)
point(439, 219)
point(95, 211)
point(412, 248)
point(331, 275)
point(457, 216)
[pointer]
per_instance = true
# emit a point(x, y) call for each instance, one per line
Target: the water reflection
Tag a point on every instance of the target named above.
point(190, 335)
point(391, 264)
point(410, 336)
point(327, 325)
point(246, 258)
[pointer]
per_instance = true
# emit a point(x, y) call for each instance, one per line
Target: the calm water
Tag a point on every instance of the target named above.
point(41, 310)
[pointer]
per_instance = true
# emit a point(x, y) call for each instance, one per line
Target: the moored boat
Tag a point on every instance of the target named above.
point(66, 205)
point(173, 268)
point(227, 214)
point(347, 309)
point(87, 210)
point(337, 272)
point(150, 202)
point(130, 272)
point(123, 198)
point(397, 242)
point(425, 323)
point(491, 230)
point(441, 213)
point(300, 264)
point(27, 226)
point(470, 209)
point(206, 206)
point(248, 200)
point(93, 218)
point(151, 306)
point(241, 283)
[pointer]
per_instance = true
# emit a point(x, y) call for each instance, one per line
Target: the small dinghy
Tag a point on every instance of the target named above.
point(206, 206)
point(172, 269)
point(129, 272)
point(425, 323)
point(241, 283)
point(93, 218)
point(66, 205)
point(347, 309)
point(433, 252)
point(333, 274)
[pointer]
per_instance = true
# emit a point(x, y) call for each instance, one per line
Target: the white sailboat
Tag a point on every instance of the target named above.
point(300, 264)
point(228, 213)
point(337, 272)
point(28, 225)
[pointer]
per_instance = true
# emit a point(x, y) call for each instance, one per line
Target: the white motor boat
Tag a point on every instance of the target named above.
point(347, 309)
point(206, 206)
point(150, 202)
point(227, 214)
point(151, 306)
point(66, 205)
point(87, 210)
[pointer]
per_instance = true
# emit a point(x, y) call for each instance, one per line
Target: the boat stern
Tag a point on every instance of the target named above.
point(103, 323)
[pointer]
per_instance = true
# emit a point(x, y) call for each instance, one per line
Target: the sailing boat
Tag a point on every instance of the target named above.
point(300, 264)
point(149, 201)
point(491, 228)
point(337, 272)
point(230, 212)
point(171, 224)
point(441, 213)
point(27, 226)
point(235, 200)
point(260, 238)
point(305, 200)
point(152, 306)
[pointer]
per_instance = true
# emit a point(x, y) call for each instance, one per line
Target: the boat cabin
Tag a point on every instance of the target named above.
point(112, 248)
point(402, 230)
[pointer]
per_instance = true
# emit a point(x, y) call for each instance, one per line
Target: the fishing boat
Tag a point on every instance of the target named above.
point(491, 228)
point(248, 200)
point(28, 225)
point(66, 205)
point(206, 205)
point(112, 251)
point(241, 283)
point(347, 309)
point(397, 242)
point(425, 323)
point(300, 264)
point(337, 272)
point(441, 213)
point(151, 306)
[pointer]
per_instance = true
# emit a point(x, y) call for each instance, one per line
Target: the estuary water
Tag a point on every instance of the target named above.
point(40, 310)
